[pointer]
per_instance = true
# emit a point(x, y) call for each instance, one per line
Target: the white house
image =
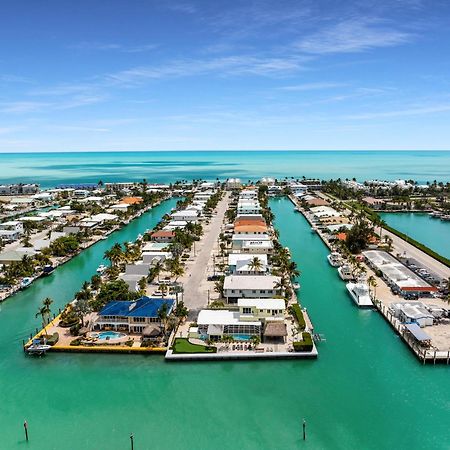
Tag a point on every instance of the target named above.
point(241, 264)
point(249, 286)
point(152, 257)
point(234, 183)
point(12, 225)
point(185, 215)
point(261, 308)
point(412, 312)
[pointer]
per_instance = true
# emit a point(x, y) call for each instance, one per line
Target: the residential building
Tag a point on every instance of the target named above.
point(241, 264)
point(250, 286)
point(163, 236)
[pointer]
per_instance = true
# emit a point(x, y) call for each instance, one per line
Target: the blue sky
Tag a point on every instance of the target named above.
point(212, 74)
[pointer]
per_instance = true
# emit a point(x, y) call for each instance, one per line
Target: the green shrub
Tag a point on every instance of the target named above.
point(76, 341)
point(53, 339)
point(296, 311)
point(306, 345)
point(74, 329)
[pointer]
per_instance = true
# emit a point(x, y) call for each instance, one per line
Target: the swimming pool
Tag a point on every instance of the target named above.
point(242, 337)
point(107, 335)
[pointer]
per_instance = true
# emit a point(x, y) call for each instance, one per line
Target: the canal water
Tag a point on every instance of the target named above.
point(433, 232)
point(366, 391)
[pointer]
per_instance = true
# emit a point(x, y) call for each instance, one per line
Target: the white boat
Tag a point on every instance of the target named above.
point(335, 259)
point(25, 282)
point(101, 268)
point(360, 294)
point(296, 285)
point(38, 349)
point(345, 272)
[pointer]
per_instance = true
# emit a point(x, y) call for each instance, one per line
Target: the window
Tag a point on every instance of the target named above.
point(262, 291)
point(254, 291)
point(246, 310)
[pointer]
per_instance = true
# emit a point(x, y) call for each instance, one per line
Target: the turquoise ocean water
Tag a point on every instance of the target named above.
point(50, 169)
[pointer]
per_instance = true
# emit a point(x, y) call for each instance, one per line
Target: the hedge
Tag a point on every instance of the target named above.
point(297, 312)
point(306, 345)
point(53, 339)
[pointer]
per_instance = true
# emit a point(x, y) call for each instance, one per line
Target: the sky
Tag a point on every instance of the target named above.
point(109, 75)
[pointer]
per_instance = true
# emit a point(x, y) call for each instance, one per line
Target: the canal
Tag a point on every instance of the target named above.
point(365, 391)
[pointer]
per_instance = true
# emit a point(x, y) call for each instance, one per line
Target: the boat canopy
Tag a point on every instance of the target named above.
point(417, 332)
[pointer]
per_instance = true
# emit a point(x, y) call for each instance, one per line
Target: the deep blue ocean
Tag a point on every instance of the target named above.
point(50, 169)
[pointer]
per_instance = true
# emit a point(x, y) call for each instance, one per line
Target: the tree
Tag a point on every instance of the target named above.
point(163, 313)
point(255, 264)
point(114, 254)
point(372, 282)
point(44, 311)
point(81, 307)
point(181, 311)
point(142, 285)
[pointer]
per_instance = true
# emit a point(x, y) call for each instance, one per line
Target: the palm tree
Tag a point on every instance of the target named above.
point(44, 311)
point(157, 269)
point(280, 285)
point(162, 315)
point(163, 288)
point(114, 254)
point(372, 282)
point(255, 264)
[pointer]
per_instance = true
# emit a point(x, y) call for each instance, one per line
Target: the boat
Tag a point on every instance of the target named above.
point(38, 349)
point(48, 269)
point(345, 272)
point(335, 259)
point(313, 230)
point(296, 285)
point(360, 294)
point(101, 268)
point(445, 217)
point(26, 281)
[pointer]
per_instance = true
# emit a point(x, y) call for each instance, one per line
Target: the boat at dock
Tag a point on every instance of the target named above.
point(436, 214)
point(296, 285)
point(101, 268)
point(37, 348)
point(26, 281)
point(360, 294)
point(345, 272)
point(335, 259)
point(48, 270)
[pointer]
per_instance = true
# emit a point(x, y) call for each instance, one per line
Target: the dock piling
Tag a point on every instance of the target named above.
point(132, 441)
point(25, 426)
point(304, 429)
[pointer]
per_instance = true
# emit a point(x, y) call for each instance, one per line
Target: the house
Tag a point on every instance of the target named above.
point(120, 207)
point(238, 240)
point(7, 236)
point(132, 200)
point(163, 236)
point(80, 193)
point(139, 268)
point(132, 316)
point(249, 286)
point(152, 257)
point(12, 225)
point(186, 215)
point(154, 247)
point(240, 264)
point(174, 224)
point(215, 323)
point(248, 194)
point(261, 308)
point(132, 280)
point(315, 202)
point(267, 181)
point(248, 207)
point(250, 227)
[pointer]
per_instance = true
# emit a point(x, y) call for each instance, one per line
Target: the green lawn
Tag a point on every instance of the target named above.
point(182, 345)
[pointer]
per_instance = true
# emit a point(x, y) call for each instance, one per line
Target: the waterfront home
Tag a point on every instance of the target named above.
point(9, 256)
point(17, 189)
point(215, 323)
point(132, 280)
point(412, 312)
point(264, 309)
point(250, 286)
point(267, 181)
point(186, 215)
point(241, 264)
point(80, 193)
point(274, 190)
point(163, 236)
point(258, 217)
point(174, 224)
point(298, 188)
point(138, 268)
point(132, 316)
point(397, 275)
point(255, 246)
point(250, 227)
point(237, 240)
point(248, 194)
point(248, 207)
point(132, 200)
point(316, 202)
point(320, 212)
point(93, 199)
point(120, 207)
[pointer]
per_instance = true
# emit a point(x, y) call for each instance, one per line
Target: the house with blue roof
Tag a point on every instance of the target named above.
point(132, 316)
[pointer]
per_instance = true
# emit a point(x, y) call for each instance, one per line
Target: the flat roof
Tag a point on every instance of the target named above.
point(250, 282)
point(397, 272)
point(262, 303)
point(221, 317)
point(417, 332)
point(234, 258)
point(251, 237)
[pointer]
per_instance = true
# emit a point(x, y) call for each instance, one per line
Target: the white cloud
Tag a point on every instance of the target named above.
point(413, 111)
point(354, 35)
point(312, 86)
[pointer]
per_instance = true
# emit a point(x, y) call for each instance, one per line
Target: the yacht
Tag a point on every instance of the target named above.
point(48, 269)
point(334, 259)
point(360, 294)
point(296, 285)
point(345, 272)
point(38, 349)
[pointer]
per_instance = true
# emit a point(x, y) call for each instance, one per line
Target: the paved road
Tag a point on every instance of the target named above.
point(402, 247)
point(194, 296)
